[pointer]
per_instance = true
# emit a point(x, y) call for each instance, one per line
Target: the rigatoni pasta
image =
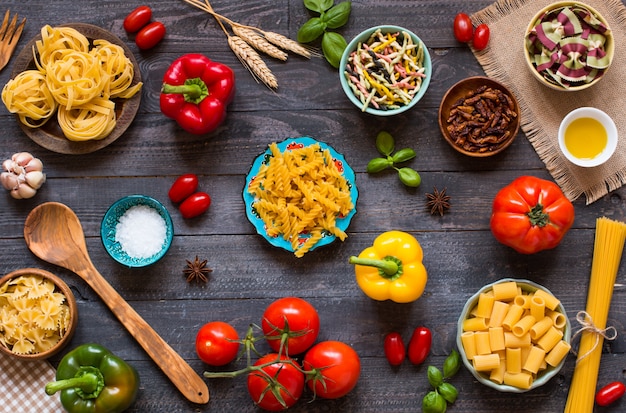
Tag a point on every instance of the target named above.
point(511, 335)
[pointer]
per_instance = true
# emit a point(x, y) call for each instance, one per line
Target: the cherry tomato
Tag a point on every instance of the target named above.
point(336, 367)
point(419, 345)
point(463, 28)
point(292, 316)
point(195, 205)
point(610, 393)
point(150, 35)
point(217, 343)
point(282, 379)
point(394, 349)
point(137, 19)
point(481, 37)
point(183, 187)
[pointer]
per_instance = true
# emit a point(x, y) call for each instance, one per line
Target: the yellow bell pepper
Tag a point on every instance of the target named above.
point(392, 269)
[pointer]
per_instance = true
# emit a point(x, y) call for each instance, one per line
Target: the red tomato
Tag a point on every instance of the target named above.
point(463, 28)
point(150, 35)
point(283, 379)
point(183, 187)
point(137, 19)
point(195, 205)
point(217, 343)
point(610, 393)
point(335, 368)
point(394, 349)
point(481, 37)
point(296, 318)
point(419, 345)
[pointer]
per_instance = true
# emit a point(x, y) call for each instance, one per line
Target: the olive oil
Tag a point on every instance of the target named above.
point(585, 138)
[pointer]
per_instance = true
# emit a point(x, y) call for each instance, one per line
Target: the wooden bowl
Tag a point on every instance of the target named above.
point(66, 333)
point(461, 91)
point(609, 46)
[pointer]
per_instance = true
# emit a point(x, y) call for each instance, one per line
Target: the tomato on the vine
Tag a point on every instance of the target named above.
point(481, 37)
point(419, 345)
point(137, 19)
point(217, 343)
point(195, 205)
point(183, 187)
point(395, 351)
point(335, 368)
point(150, 35)
point(463, 28)
point(292, 320)
point(282, 379)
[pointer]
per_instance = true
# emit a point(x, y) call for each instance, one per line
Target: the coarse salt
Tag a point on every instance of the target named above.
point(141, 231)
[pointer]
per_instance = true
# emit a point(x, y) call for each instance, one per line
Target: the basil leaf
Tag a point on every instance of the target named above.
point(448, 392)
point(318, 5)
point(409, 177)
point(433, 402)
point(435, 377)
point(338, 15)
point(451, 364)
point(377, 165)
point(385, 143)
point(403, 155)
point(333, 45)
point(311, 30)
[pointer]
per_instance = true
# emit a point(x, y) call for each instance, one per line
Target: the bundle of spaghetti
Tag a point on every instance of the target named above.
point(607, 253)
point(81, 78)
point(301, 191)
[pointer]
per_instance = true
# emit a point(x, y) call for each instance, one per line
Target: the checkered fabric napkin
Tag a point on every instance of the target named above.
point(22, 385)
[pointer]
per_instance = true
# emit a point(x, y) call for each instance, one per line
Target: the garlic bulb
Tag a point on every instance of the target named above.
point(22, 175)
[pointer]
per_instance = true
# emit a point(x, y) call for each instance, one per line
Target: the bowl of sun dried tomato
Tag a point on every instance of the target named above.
point(38, 314)
point(479, 116)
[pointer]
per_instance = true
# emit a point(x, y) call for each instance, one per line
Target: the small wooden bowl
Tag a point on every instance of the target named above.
point(461, 90)
point(70, 300)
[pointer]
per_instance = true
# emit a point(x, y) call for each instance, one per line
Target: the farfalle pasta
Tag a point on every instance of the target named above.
point(34, 315)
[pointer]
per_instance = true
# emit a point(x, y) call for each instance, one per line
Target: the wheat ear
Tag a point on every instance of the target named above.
point(286, 43)
point(259, 42)
point(252, 61)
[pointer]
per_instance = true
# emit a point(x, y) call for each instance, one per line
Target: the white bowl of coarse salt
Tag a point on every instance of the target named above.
point(137, 230)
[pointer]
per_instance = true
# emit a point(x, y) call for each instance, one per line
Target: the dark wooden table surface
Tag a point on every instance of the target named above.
point(461, 254)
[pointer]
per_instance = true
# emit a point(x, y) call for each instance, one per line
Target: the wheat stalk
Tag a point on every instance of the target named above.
point(286, 43)
point(251, 60)
point(259, 42)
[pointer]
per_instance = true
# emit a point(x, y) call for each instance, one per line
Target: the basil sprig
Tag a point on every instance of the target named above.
point(331, 16)
point(385, 145)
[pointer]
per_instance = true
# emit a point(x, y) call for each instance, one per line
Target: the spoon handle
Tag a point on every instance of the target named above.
point(188, 382)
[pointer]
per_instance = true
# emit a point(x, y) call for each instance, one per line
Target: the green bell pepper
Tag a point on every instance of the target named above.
point(91, 379)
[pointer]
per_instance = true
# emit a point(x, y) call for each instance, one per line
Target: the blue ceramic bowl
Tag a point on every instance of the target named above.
point(363, 37)
point(544, 375)
point(112, 218)
point(249, 199)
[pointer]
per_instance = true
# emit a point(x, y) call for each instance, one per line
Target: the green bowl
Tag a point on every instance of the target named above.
point(542, 377)
point(363, 37)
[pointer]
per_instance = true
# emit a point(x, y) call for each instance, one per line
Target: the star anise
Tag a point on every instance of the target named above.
point(197, 270)
point(438, 201)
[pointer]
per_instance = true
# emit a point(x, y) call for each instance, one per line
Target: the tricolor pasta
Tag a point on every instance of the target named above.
point(74, 78)
point(512, 335)
point(300, 191)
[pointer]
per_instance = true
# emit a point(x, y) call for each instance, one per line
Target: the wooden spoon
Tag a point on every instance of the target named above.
point(53, 233)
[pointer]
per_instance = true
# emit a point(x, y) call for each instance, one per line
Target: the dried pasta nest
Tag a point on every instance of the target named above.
point(38, 314)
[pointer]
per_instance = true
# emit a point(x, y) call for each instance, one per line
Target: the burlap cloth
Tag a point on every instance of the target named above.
point(544, 108)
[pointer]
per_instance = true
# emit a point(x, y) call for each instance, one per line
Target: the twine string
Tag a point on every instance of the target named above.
point(586, 322)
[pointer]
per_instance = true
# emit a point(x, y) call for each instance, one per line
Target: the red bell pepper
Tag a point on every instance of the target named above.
point(531, 214)
point(196, 92)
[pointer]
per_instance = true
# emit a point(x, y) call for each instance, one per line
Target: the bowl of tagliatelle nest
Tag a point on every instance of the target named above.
point(513, 335)
point(38, 314)
point(479, 117)
point(568, 46)
point(385, 70)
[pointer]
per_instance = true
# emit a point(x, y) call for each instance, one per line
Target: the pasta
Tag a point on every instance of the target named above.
point(33, 315)
point(607, 253)
point(74, 79)
point(299, 194)
point(523, 345)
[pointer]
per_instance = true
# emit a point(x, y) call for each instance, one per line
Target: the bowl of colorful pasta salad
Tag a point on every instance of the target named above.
point(300, 194)
point(38, 314)
point(513, 335)
point(385, 70)
point(568, 46)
